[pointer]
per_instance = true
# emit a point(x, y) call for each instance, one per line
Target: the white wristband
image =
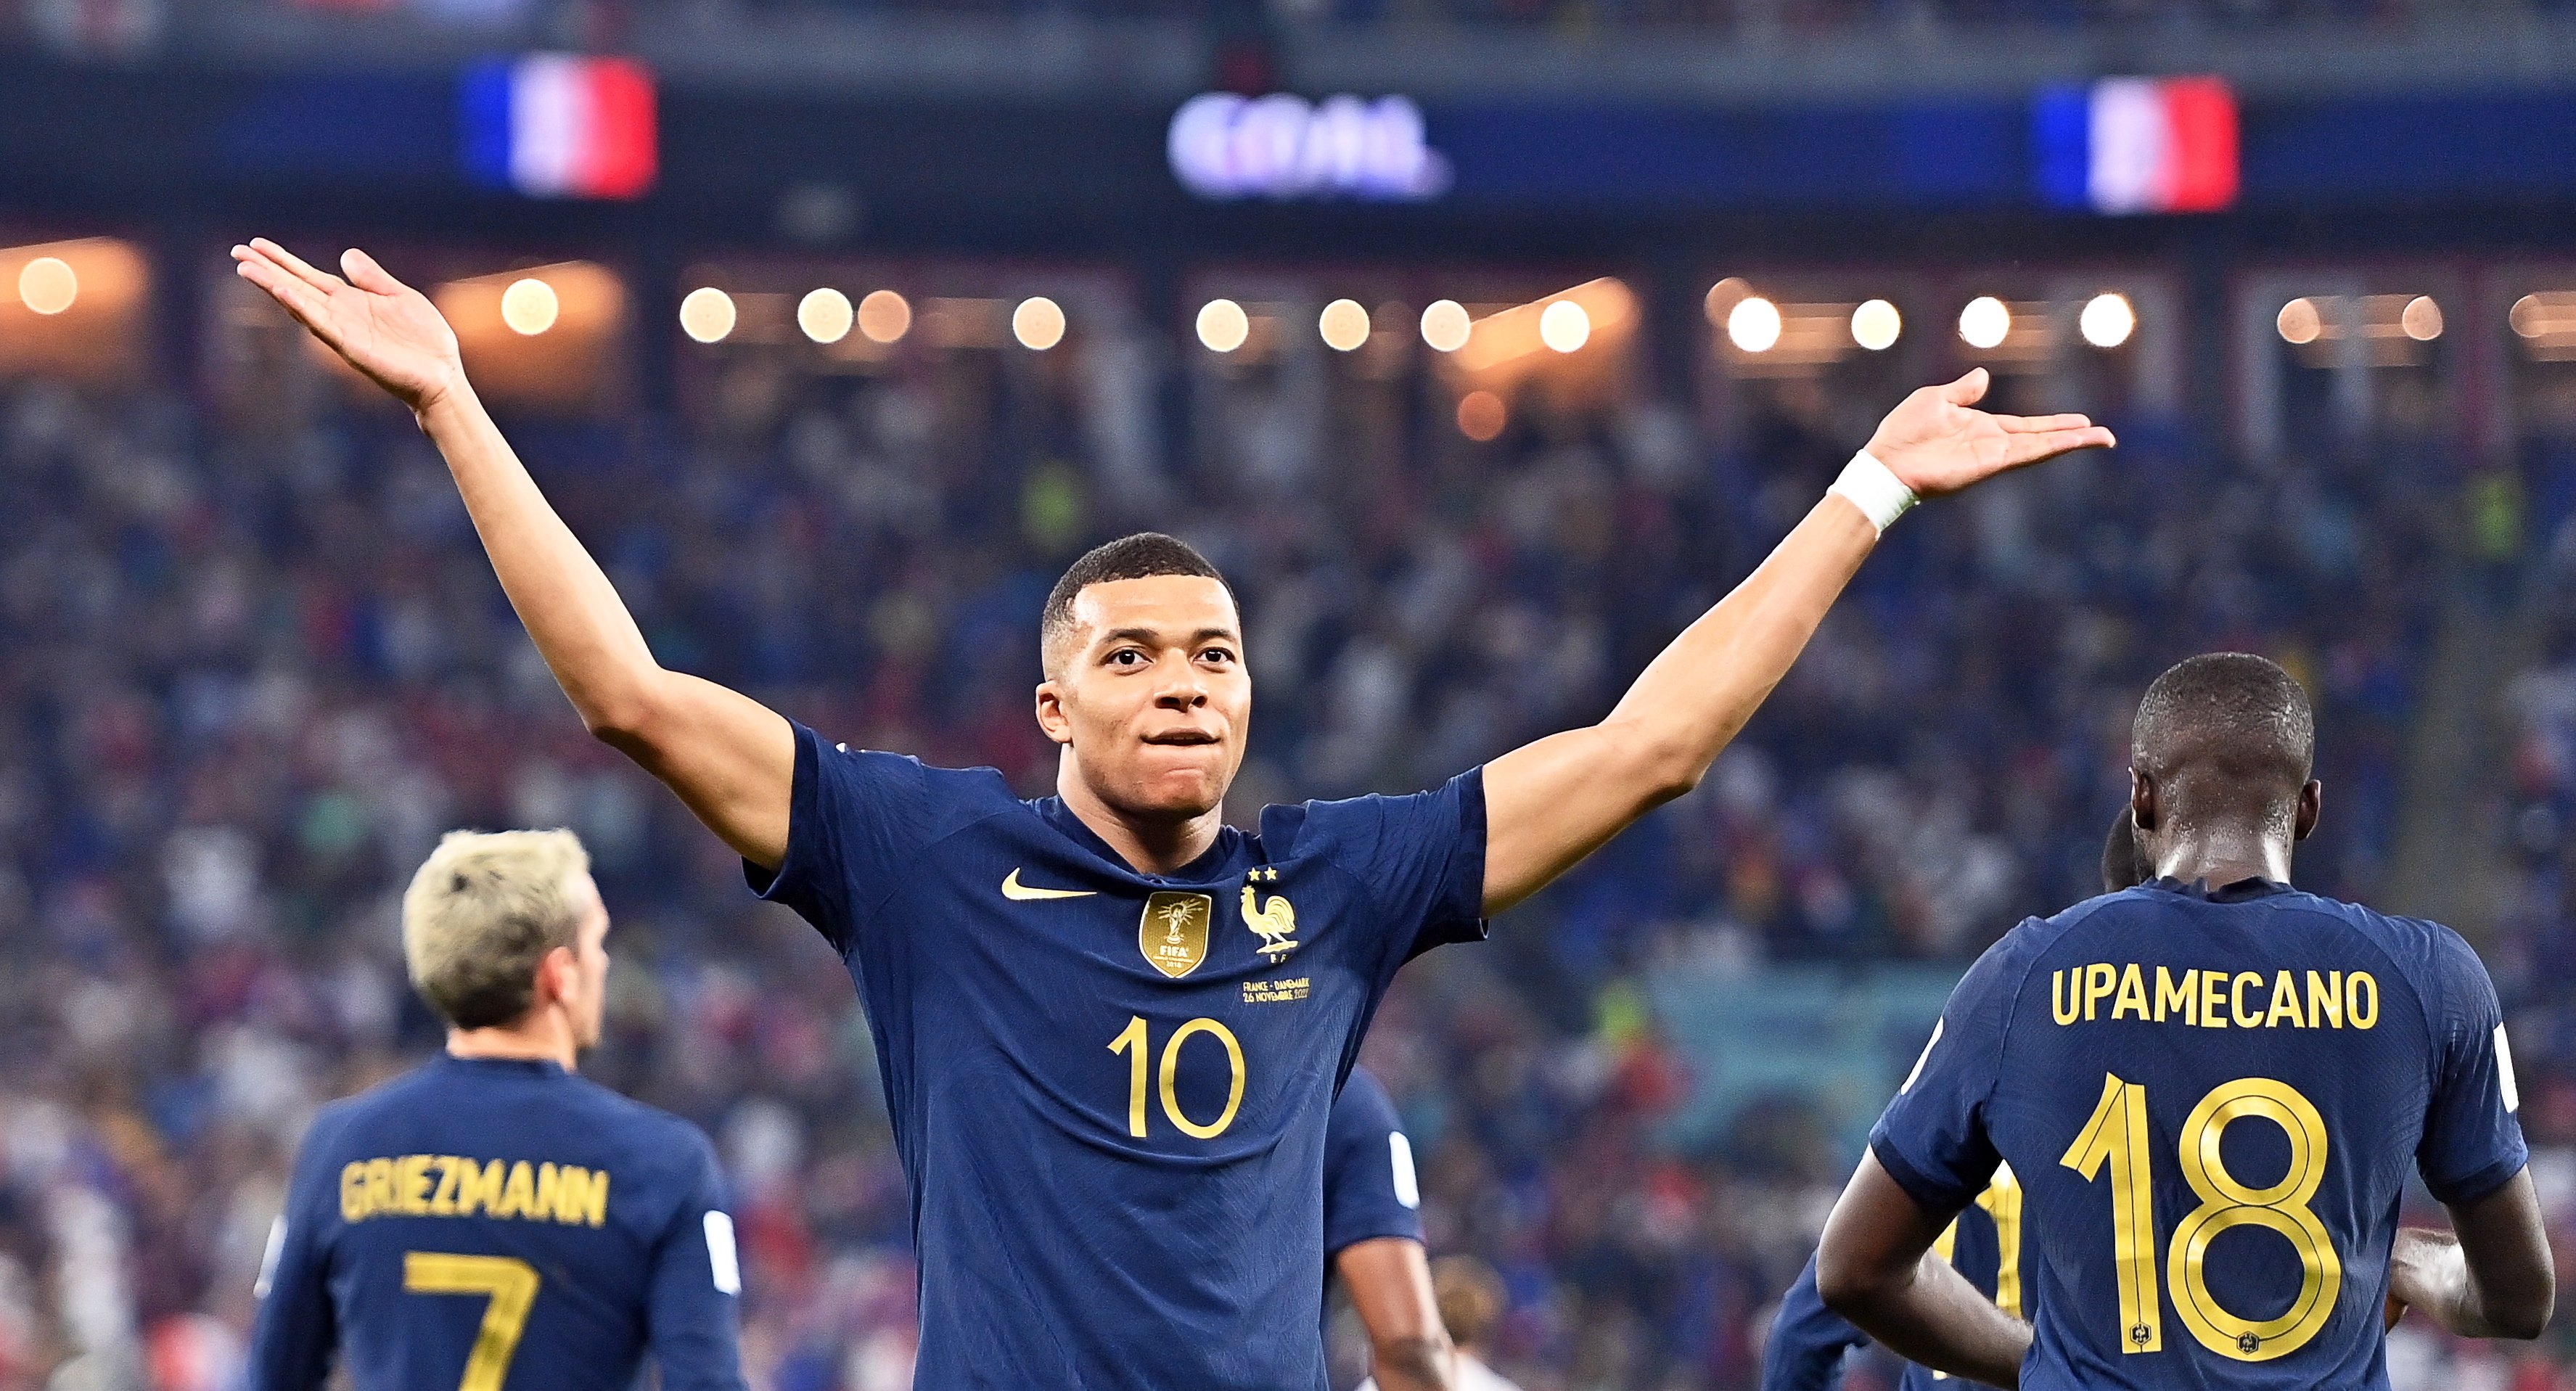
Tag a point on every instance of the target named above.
point(1875, 489)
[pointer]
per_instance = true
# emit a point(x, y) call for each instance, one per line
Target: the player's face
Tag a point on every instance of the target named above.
point(588, 999)
point(1152, 697)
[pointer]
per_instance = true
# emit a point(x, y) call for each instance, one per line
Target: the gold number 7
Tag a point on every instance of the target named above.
point(509, 1282)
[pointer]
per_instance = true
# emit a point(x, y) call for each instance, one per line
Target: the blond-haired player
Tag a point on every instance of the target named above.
point(491, 1220)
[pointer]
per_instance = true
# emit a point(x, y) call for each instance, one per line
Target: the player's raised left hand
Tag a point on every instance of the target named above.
point(1937, 441)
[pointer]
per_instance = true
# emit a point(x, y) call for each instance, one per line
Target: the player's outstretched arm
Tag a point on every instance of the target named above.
point(2494, 1279)
point(1875, 1267)
point(1550, 803)
point(731, 759)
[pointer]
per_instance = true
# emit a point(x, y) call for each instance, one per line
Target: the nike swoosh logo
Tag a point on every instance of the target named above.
point(1016, 891)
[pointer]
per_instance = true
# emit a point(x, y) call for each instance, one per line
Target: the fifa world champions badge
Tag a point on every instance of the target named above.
point(1275, 922)
point(1173, 933)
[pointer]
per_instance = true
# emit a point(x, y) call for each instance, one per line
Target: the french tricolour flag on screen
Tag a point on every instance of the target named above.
point(553, 125)
point(2138, 145)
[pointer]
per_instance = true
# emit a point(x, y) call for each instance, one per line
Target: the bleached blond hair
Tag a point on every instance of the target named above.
point(484, 909)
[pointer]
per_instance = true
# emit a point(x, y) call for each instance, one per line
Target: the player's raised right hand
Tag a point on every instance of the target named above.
point(382, 327)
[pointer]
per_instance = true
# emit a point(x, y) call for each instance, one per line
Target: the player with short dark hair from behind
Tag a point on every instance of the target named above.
point(1109, 1025)
point(1808, 1341)
point(2213, 1089)
point(1373, 1237)
point(492, 1221)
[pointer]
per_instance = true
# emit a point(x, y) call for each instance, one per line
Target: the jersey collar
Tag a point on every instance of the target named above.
point(1055, 813)
point(2241, 891)
point(532, 1067)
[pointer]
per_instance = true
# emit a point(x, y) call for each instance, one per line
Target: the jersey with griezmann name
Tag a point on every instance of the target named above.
point(2212, 1101)
point(1109, 1089)
point(499, 1225)
point(1985, 1244)
point(1370, 1190)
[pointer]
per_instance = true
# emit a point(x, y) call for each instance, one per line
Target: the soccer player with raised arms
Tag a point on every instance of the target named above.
point(1109, 1026)
point(492, 1221)
point(2212, 1088)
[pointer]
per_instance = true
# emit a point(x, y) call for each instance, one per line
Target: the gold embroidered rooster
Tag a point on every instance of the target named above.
point(1275, 922)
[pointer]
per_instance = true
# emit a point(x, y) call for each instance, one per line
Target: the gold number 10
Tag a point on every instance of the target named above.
point(1133, 1038)
point(2117, 1135)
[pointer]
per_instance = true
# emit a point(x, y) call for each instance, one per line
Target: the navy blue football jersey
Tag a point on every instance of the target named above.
point(1109, 1089)
point(1985, 1244)
point(1369, 1185)
point(2212, 1101)
point(499, 1225)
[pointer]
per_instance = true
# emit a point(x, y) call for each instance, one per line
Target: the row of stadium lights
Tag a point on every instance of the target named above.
point(1753, 323)
point(883, 317)
point(1345, 326)
point(2302, 321)
point(708, 315)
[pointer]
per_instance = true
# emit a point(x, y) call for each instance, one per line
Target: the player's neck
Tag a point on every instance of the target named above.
point(1149, 845)
point(545, 1038)
point(2219, 855)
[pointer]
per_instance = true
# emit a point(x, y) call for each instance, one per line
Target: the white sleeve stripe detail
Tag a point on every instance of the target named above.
point(268, 1259)
point(720, 1253)
point(1408, 1189)
point(1923, 1057)
point(2504, 1073)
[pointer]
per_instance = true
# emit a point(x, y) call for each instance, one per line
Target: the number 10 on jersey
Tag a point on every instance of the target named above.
point(1136, 1039)
point(2116, 1136)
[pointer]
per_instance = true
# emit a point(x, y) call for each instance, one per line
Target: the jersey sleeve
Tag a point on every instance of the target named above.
point(1369, 1186)
point(2472, 1137)
point(854, 819)
point(1420, 858)
point(1808, 1341)
point(297, 1328)
point(696, 1288)
point(1932, 1139)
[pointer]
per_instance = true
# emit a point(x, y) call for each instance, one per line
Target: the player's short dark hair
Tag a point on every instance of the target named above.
point(1142, 556)
point(2228, 730)
point(2122, 867)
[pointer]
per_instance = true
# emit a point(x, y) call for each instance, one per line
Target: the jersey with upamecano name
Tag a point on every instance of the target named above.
point(1109, 1089)
point(2212, 1100)
point(1370, 1190)
point(499, 1225)
point(1985, 1243)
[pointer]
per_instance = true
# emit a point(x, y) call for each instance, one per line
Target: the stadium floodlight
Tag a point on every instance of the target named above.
point(2107, 320)
point(1223, 325)
point(707, 314)
point(1344, 324)
point(2422, 319)
point(1481, 415)
point(47, 285)
point(2299, 322)
point(1564, 327)
point(884, 316)
point(1038, 323)
point(1985, 322)
point(1875, 325)
point(1445, 325)
point(529, 307)
point(825, 315)
point(1753, 325)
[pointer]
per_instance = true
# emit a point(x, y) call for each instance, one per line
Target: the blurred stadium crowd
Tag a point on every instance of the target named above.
point(252, 662)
